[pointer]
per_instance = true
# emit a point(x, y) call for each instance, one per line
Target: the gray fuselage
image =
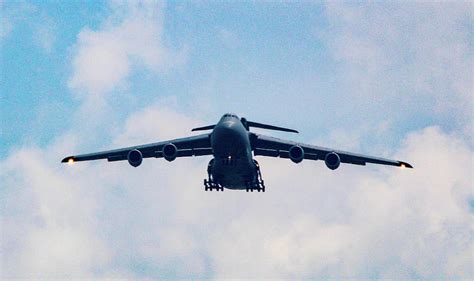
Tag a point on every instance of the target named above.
point(233, 165)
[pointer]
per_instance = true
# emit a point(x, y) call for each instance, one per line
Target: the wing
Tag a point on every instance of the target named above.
point(274, 147)
point(191, 146)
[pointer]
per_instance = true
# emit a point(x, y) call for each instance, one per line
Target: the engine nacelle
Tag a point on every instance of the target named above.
point(170, 152)
point(135, 157)
point(296, 153)
point(332, 160)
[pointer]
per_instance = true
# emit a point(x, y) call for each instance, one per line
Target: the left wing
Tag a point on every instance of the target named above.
point(190, 146)
point(274, 147)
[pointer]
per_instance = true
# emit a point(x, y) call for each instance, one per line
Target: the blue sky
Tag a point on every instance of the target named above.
point(393, 80)
point(234, 57)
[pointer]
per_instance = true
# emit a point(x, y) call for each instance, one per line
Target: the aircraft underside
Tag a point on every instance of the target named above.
point(234, 174)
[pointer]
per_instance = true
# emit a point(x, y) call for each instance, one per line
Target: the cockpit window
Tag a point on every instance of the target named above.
point(230, 115)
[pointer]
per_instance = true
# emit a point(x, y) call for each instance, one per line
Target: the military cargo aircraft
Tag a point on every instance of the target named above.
point(233, 146)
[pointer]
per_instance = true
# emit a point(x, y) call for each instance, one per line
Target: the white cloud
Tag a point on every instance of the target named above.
point(132, 35)
point(156, 122)
point(55, 220)
point(13, 14)
point(156, 220)
point(358, 222)
point(48, 219)
point(5, 27)
point(41, 27)
point(405, 59)
point(103, 59)
point(44, 34)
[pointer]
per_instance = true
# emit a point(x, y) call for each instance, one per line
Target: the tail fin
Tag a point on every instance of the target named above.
point(248, 124)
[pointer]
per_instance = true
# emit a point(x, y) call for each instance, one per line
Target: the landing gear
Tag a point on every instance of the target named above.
point(259, 184)
point(210, 185)
point(216, 181)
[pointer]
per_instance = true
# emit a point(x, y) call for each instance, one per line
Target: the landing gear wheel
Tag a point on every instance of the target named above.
point(210, 185)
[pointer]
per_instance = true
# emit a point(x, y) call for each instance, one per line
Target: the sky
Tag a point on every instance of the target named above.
point(387, 79)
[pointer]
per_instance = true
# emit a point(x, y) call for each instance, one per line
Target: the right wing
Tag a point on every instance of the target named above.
point(274, 147)
point(190, 146)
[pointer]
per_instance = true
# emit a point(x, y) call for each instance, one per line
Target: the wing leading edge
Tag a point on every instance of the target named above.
point(191, 146)
point(274, 147)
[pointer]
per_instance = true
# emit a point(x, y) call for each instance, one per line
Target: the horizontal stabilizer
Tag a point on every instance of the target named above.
point(269, 127)
point(210, 127)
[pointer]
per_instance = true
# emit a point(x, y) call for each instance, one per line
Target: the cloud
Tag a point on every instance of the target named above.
point(127, 41)
point(5, 27)
point(131, 36)
point(411, 59)
point(154, 123)
point(358, 222)
point(45, 34)
point(102, 219)
point(13, 14)
point(6, 21)
point(48, 222)
point(55, 219)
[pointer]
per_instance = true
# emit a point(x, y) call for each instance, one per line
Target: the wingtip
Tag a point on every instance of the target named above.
point(405, 165)
point(68, 159)
point(291, 131)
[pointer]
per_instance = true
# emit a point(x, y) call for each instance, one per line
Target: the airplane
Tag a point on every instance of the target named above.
point(231, 144)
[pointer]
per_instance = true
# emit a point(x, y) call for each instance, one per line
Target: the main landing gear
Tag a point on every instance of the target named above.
point(258, 185)
point(211, 185)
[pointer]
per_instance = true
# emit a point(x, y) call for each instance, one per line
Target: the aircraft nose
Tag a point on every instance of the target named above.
point(227, 129)
point(228, 125)
point(227, 138)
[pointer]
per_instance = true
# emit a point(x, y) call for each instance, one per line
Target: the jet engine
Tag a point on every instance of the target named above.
point(332, 160)
point(296, 153)
point(170, 151)
point(135, 157)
